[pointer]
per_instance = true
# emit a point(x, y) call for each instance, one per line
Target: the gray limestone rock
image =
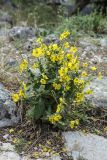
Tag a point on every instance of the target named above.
point(7, 151)
point(99, 96)
point(5, 23)
point(104, 42)
point(21, 33)
point(9, 156)
point(5, 17)
point(86, 146)
point(8, 109)
point(55, 158)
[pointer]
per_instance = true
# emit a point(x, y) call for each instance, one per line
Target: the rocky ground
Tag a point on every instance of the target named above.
point(17, 41)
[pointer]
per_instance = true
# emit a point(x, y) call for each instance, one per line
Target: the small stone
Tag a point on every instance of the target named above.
point(6, 136)
point(47, 154)
point(27, 158)
point(11, 62)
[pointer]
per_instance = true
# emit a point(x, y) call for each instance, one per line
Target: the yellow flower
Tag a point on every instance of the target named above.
point(38, 52)
point(70, 65)
point(69, 55)
point(15, 97)
point(35, 65)
point(72, 124)
point(77, 122)
point(34, 53)
point(56, 86)
point(61, 72)
point(67, 88)
point(66, 78)
point(23, 65)
point(48, 53)
point(79, 97)
point(45, 149)
point(84, 74)
point(54, 47)
point(60, 57)
point(55, 118)
point(81, 82)
point(44, 76)
point(58, 108)
point(21, 93)
point(39, 40)
point(15, 140)
point(93, 68)
point(99, 76)
point(66, 45)
point(24, 86)
point(89, 91)
point(64, 35)
point(43, 81)
point(73, 49)
point(11, 130)
point(65, 69)
point(75, 66)
point(85, 64)
point(76, 81)
point(61, 100)
point(82, 86)
point(53, 58)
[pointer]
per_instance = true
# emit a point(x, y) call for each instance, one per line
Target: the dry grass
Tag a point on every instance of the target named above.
point(8, 72)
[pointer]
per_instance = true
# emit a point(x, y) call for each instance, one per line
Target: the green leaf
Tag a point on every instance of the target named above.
point(37, 111)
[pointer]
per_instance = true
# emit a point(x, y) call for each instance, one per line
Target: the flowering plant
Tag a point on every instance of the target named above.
point(55, 83)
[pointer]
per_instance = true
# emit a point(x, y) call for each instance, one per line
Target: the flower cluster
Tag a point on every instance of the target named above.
point(55, 82)
point(21, 93)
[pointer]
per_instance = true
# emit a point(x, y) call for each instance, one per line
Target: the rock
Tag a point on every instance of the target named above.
point(28, 157)
point(4, 31)
point(86, 146)
point(43, 32)
point(5, 17)
point(87, 10)
point(86, 43)
point(96, 59)
point(51, 38)
point(29, 45)
point(104, 42)
point(55, 158)
point(7, 152)
point(21, 33)
point(99, 96)
point(9, 156)
point(5, 23)
point(11, 62)
point(6, 147)
point(8, 109)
